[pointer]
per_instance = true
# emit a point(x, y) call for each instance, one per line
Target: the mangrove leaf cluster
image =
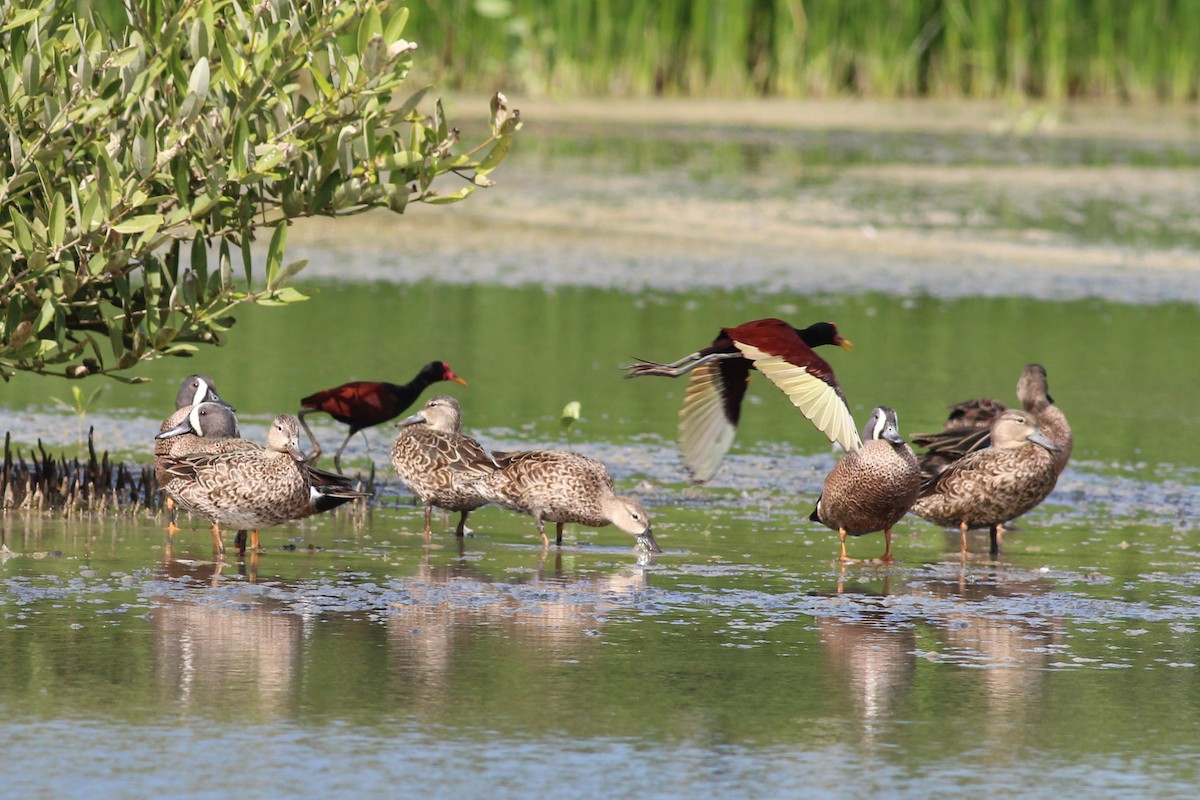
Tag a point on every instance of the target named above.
point(148, 141)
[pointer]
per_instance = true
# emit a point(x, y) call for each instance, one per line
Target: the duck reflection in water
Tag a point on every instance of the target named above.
point(873, 652)
point(209, 635)
point(995, 624)
point(446, 615)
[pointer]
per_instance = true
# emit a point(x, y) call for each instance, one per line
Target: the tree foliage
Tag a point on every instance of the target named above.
point(148, 142)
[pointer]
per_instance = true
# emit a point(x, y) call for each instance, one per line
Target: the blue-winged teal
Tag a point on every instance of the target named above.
point(561, 487)
point(871, 488)
point(438, 463)
point(362, 404)
point(968, 427)
point(211, 428)
point(712, 401)
point(989, 487)
point(193, 390)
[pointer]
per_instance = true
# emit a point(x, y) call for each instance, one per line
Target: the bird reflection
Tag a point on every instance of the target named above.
point(995, 630)
point(444, 610)
point(207, 643)
point(874, 654)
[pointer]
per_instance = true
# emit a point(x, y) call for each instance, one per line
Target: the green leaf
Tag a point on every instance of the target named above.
point(275, 253)
point(198, 82)
point(45, 315)
point(58, 221)
point(288, 272)
point(395, 25)
point(200, 260)
point(375, 56)
point(23, 234)
point(22, 18)
point(138, 224)
point(369, 27)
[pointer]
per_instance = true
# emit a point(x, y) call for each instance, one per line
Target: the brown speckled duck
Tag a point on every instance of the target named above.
point(246, 488)
point(440, 464)
point(211, 428)
point(968, 426)
point(560, 487)
point(872, 487)
point(989, 487)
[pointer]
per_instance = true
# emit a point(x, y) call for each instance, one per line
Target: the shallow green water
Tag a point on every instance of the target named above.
point(351, 658)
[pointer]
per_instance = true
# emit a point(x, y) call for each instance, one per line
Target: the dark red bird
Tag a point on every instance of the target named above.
point(713, 400)
point(362, 404)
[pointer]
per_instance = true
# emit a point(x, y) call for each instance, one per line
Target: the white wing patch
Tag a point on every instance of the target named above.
point(815, 398)
point(705, 434)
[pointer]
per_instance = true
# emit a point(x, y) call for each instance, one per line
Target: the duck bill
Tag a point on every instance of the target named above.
point(295, 453)
point(1039, 438)
point(178, 430)
point(410, 420)
point(645, 541)
point(845, 343)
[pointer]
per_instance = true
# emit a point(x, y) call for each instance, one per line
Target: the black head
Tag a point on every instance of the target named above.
point(436, 371)
point(823, 333)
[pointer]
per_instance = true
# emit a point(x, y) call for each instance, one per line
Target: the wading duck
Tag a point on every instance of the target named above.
point(968, 426)
point(989, 487)
point(872, 487)
point(363, 404)
point(248, 488)
point(560, 487)
point(211, 428)
point(438, 463)
point(193, 390)
point(712, 401)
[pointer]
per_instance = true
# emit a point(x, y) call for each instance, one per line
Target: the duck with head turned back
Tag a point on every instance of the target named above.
point(560, 487)
point(362, 404)
point(717, 384)
point(193, 390)
point(968, 427)
point(989, 487)
point(871, 488)
point(438, 463)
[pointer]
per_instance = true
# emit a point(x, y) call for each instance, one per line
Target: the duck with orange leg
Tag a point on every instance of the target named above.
point(364, 404)
point(718, 375)
point(236, 483)
point(870, 489)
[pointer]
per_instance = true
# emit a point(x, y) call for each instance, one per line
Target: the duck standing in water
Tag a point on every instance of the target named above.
point(440, 464)
point(560, 487)
point(211, 428)
point(871, 488)
point(193, 390)
point(719, 374)
point(248, 488)
point(989, 487)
